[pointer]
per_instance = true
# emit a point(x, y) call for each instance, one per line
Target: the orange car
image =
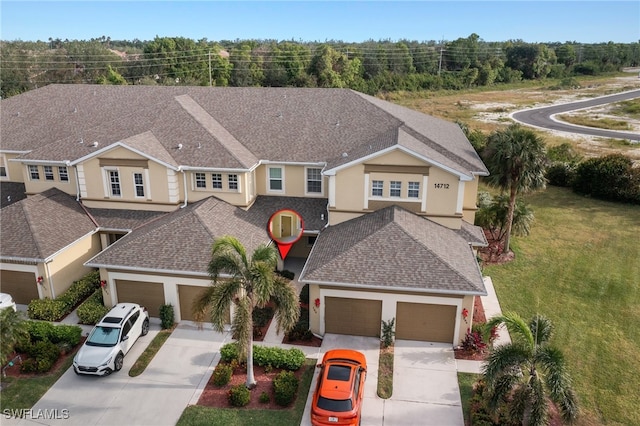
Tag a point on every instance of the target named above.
point(338, 396)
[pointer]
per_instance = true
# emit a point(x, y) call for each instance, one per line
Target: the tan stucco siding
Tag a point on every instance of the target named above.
point(294, 178)
point(36, 186)
point(397, 157)
point(470, 200)
point(237, 197)
point(464, 326)
point(67, 265)
point(14, 169)
point(442, 192)
point(349, 185)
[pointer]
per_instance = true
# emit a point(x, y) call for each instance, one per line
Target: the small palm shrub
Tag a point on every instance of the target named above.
point(387, 332)
point(167, 316)
point(285, 386)
point(222, 374)
point(264, 398)
point(239, 396)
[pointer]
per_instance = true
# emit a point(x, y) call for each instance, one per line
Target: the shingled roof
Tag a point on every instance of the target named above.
point(393, 248)
point(36, 227)
point(225, 127)
point(180, 241)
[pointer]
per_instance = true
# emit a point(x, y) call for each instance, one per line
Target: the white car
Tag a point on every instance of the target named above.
point(104, 350)
point(6, 302)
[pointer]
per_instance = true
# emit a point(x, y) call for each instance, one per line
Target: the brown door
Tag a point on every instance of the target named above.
point(425, 322)
point(358, 317)
point(147, 294)
point(22, 286)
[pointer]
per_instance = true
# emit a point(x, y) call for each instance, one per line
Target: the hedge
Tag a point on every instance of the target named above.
point(56, 309)
point(285, 386)
point(289, 359)
point(92, 309)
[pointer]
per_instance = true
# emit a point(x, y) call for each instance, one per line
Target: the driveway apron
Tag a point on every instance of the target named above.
point(425, 386)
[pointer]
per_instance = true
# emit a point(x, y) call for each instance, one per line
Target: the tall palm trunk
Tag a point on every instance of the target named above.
point(510, 213)
point(251, 380)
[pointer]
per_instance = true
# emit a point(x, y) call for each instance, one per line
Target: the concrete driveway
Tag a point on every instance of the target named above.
point(425, 383)
point(156, 397)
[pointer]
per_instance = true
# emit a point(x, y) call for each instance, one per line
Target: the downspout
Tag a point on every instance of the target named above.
point(75, 172)
point(328, 197)
point(46, 267)
point(184, 179)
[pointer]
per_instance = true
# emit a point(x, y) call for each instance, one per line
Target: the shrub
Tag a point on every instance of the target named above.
point(229, 352)
point(387, 332)
point(611, 177)
point(285, 386)
point(46, 309)
point(239, 396)
point(264, 398)
point(290, 359)
point(92, 310)
point(43, 355)
point(68, 335)
point(56, 309)
point(167, 318)
point(222, 374)
point(473, 342)
point(40, 331)
point(304, 294)
point(261, 316)
point(561, 174)
point(301, 330)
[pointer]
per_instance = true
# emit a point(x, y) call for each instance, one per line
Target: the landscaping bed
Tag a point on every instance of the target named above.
point(478, 318)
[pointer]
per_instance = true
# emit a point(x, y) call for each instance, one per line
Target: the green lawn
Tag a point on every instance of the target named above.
point(581, 268)
point(196, 415)
point(466, 381)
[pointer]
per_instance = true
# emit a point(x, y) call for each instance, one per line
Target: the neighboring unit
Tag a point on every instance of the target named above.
point(138, 181)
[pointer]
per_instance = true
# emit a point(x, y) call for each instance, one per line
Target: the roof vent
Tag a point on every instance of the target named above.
point(18, 114)
point(345, 155)
point(337, 123)
point(95, 144)
point(81, 140)
point(279, 115)
point(179, 146)
point(75, 110)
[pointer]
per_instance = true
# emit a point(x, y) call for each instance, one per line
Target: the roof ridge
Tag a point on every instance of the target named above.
point(29, 219)
point(217, 130)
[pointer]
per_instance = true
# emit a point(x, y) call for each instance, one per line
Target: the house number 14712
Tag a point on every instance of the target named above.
point(441, 185)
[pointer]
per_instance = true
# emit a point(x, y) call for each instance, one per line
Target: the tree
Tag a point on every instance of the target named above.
point(528, 371)
point(13, 328)
point(247, 283)
point(515, 157)
point(112, 77)
point(492, 216)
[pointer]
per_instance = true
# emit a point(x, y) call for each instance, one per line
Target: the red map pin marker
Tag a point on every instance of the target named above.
point(285, 228)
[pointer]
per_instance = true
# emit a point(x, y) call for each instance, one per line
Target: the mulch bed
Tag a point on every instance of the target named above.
point(14, 371)
point(217, 396)
point(315, 342)
point(478, 318)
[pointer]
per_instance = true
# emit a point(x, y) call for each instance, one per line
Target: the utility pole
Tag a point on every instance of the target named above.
point(210, 68)
point(440, 64)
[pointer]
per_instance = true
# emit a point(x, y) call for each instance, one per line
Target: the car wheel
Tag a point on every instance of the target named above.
point(145, 327)
point(117, 364)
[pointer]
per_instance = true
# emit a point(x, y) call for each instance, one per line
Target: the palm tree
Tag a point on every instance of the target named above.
point(515, 157)
point(528, 371)
point(13, 328)
point(247, 283)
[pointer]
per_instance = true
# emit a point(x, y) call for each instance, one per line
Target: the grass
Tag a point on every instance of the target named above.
point(629, 108)
point(24, 392)
point(466, 381)
point(145, 358)
point(198, 415)
point(580, 267)
point(597, 122)
point(385, 373)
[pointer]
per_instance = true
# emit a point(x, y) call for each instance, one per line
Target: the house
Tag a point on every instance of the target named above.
point(387, 196)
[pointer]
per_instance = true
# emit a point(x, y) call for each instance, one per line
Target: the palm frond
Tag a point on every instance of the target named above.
point(557, 380)
point(505, 360)
point(541, 329)
point(262, 277)
point(538, 403)
point(242, 325)
point(266, 254)
point(520, 403)
point(518, 328)
point(287, 309)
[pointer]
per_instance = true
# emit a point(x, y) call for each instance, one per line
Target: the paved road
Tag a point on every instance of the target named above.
point(543, 117)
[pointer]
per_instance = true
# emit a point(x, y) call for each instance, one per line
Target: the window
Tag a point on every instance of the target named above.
point(138, 184)
point(201, 180)
point(63, 174)
point(275, 179)
point(395, 188)
point(34, 174)
point(114, 179)
point(3, 167)
point(414, 190)
point(233, 182)
point(314, 181)
point(377, 187)
point(216, 180)
point(48, 173)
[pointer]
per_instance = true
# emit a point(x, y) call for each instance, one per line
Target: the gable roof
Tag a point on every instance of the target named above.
point(37, 227)
point(225, 127)
point(393, 248)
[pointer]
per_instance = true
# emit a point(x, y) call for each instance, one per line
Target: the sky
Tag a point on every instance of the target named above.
point(582, 21)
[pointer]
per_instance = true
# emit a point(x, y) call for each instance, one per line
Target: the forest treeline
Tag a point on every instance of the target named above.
point(370, 67)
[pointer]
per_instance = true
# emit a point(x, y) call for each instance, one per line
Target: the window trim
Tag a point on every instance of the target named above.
point(373, 188)
point(110, 183)
point(306, 182)
point(139, 185)
point(237, 182)
point(47, 171)
point(196, 180)
point(3, 165)
point(214, 182)
point(417, 189)
point(269, 179)
point(391, 188)
point(66, 173)
point(33, 170)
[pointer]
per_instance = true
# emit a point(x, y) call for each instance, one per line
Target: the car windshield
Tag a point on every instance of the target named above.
point(335, 405)
point(103, 336)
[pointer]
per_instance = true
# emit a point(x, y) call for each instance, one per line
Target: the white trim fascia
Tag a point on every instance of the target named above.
point(42, 162)
point(114, 268)
point(212, 169)
point(52, 256)
point(8, 151)
point(460, 198)
point(292, 163)
point(16, 259)
point(125, 146)
point(394, 288)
